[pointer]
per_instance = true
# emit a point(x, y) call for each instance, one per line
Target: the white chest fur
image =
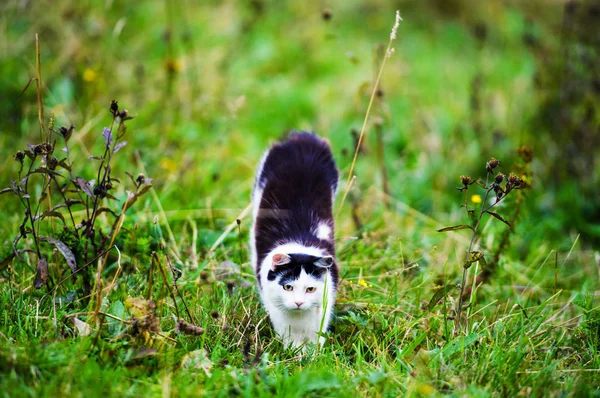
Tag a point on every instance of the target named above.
point(297, 324)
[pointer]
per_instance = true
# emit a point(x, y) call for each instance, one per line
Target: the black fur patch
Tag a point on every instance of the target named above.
point(298, 179)
point(290, 272)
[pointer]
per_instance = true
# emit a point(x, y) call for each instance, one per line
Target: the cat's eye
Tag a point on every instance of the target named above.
point(311, 289)
point(288, 288)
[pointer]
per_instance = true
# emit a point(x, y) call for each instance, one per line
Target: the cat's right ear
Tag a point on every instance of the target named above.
point(280, 259)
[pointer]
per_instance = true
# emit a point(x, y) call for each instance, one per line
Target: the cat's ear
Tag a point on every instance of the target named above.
point(324, 262)
point(280, 259)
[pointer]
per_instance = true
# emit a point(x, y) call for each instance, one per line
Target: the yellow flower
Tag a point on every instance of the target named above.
point(476, 199)
point(168, 164)
point(362, 283)
point(89, 75)
point(173, 66)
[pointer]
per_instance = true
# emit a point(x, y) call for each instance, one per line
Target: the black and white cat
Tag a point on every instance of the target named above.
point(291, 239)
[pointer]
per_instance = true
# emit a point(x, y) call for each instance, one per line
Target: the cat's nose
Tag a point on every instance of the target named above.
point(299, 303)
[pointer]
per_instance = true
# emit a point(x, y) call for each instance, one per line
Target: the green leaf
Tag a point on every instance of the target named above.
point(50, 213)
point(106, 210)
point(441, 292)
point(499, 217)
point(4, 262)
point(474, 256)
point(458, 344)
point(456, 227)
point(410, 348)
point(43, 197)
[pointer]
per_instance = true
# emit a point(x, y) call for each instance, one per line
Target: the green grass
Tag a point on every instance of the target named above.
point(243, 76)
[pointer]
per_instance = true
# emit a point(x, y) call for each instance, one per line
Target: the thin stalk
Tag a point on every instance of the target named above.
point(388, 52)
point(39, 86)
point(465, 269)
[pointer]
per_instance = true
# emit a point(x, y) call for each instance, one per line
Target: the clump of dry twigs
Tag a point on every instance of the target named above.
point(72, 200)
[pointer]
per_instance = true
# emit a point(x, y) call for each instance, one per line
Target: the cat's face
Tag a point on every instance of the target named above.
point(297, 282)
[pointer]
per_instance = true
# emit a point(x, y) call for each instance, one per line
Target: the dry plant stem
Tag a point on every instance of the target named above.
point(156, 199)
point(38, 67)
point(86, 313)
point(68, 207)
point(107, 152)
point(380, 157)
point(164, 274)
point(27, 203)
point(228, 230)
point(78, 269)
point(366, 119)
point(87, 210)
point(179, 292)
point(101, 264)
point(39, 93)
point(465, 269)
point(491, 265)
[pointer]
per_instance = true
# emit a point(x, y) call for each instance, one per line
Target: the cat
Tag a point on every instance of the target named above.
point(292, 237)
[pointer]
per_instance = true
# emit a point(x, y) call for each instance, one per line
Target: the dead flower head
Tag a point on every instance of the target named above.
point(491, 165)
point(526, 153)
point(499, 178)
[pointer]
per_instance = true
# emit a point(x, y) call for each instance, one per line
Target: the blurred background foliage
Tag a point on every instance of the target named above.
point(212, 83)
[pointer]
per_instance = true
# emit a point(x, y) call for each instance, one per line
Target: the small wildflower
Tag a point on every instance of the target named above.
point(526, 153)
point(168, 164)
point(514, 182)
point(66, 132)
point(100, 191)
point(89, 75)
point(107, 134)
point(466, 181)
point(363, 283)
point(491, 165)
point(476, 198)
point(173, 66)
point(124, 115)
point(499, 178)
point(141, 178)
point(498, 190)
point(52, 162)
point(38, 149)
point(19, 156)
point(114, 107)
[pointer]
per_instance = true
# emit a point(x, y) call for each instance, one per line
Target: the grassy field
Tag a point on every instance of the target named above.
point(164, 301)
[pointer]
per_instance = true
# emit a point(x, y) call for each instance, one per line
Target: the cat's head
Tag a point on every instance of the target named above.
point(297, 282)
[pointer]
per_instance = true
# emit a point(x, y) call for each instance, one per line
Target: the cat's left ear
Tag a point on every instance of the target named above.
point(324, 262)
point(280, 259)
